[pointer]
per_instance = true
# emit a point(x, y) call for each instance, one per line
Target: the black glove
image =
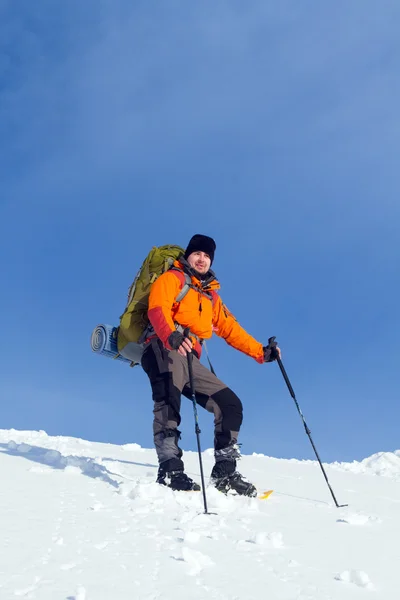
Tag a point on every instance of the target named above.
point(175, 340)
point(270, 351)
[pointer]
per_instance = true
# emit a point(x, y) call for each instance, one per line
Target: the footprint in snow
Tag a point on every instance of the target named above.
point(196, 560)
point(67, 566)
point(359, 578)
point(79, 595)
point(191, 537)
point(123, 529)
point(59, 541)
point(101, 546)
point(268, 540)
point(29, 589)
point(358, 519)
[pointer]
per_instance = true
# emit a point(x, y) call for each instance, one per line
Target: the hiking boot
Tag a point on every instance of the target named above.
point(177, 480)
point(237, 483)
point(224, 478)
point(181, 482)
point(161, 475)
point(231, 452)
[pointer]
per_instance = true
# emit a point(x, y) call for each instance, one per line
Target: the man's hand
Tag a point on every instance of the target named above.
point(271, 352)
point(179, 342)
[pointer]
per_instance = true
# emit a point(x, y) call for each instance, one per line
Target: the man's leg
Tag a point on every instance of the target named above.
point(216, 397)
point(166, 373)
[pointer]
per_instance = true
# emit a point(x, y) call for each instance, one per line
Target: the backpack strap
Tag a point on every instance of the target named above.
point(214, 297)
point(186, 287)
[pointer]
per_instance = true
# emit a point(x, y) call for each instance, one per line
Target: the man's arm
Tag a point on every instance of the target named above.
point(162, 297)
point(226, 326)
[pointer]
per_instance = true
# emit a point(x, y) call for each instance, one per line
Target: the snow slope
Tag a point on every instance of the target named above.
point(85, 521)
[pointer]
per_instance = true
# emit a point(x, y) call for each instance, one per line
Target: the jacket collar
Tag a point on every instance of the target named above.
point(208, 282)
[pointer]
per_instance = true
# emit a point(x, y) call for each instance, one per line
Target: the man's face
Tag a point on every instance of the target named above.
point(200, 261)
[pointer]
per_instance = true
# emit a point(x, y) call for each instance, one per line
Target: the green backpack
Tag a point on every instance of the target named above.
point(134, 321)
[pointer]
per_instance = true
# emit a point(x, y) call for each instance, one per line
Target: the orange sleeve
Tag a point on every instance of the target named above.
point(226, 326)
point(162, 297)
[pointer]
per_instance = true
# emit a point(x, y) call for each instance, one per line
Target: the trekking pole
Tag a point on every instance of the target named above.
point(272, 344)
point(196, 420)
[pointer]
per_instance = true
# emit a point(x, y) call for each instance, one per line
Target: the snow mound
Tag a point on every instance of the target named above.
point(385, 464)
point(132, 447)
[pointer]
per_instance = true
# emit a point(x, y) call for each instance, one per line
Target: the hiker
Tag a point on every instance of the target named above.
point(165, 362)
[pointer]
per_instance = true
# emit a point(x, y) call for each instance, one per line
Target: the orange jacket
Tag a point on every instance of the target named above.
point(201, 310)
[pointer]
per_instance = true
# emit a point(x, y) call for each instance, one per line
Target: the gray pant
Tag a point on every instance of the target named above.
point(169, 377)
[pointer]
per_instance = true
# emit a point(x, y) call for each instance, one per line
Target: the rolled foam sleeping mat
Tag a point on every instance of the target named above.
point(104, 341)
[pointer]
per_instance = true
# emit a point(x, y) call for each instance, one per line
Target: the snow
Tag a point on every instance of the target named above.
point(386, 464)
point(82, 520)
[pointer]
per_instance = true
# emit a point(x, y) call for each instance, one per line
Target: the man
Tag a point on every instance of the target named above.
point(165, 362)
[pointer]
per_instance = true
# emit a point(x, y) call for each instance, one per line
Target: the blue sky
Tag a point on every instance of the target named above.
point(273, 127)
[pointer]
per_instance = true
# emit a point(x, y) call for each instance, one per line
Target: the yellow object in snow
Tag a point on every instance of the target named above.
point(265, 495)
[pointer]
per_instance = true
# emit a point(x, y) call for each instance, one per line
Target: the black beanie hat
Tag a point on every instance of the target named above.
point(201, 243)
